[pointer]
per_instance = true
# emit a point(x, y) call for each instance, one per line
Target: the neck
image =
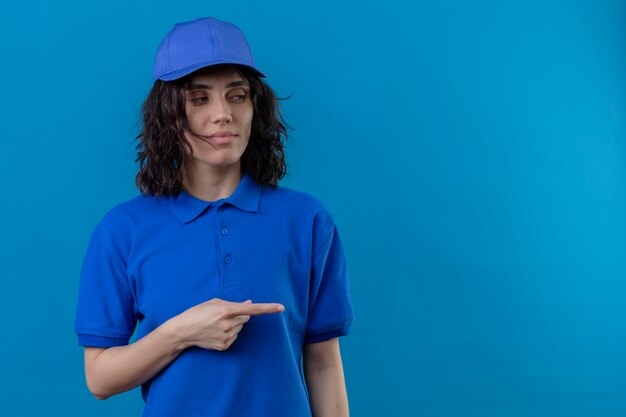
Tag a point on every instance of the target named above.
point(210, 183)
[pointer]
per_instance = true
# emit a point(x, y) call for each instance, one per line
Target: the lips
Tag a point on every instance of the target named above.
point(219, 139)
point(222, 133)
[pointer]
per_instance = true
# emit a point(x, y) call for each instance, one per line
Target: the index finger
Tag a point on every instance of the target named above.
point(255, 309)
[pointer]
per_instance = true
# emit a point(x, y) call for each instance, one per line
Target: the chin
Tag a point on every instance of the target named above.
point(219, 157)
point(221, 162)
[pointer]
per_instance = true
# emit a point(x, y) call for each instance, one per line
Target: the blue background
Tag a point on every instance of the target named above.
point(472, 154)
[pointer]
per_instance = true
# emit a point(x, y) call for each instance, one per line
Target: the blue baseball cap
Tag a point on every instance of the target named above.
point(199, 43)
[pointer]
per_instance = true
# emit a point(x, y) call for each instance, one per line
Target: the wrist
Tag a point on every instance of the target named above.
point(175, 335)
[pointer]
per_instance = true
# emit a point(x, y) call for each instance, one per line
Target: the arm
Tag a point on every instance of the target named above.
point(109, 371)
point(323, 372)
point(214, 324)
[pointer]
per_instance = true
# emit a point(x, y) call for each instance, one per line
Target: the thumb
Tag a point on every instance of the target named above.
point(248, 301)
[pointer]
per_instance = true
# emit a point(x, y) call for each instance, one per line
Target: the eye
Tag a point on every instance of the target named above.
point(198, 99)
point(238, 98)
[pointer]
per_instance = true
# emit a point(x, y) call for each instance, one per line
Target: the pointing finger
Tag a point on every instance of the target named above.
point(253, 309)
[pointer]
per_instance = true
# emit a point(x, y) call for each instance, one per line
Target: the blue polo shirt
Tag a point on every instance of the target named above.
point(149, 259)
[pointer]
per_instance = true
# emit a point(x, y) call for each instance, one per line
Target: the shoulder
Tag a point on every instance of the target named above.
point(301, 203)
point(120, 222)
point(121, 214)
point(303, 208)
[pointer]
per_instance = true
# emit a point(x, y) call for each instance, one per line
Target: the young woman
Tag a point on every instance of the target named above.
point(229, 279)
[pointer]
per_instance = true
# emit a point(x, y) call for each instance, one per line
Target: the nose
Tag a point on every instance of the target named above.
point(221, 111)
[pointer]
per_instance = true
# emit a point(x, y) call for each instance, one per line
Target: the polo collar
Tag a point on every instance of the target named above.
point(246, 197)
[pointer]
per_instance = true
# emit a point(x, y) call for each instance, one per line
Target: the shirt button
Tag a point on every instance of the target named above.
point(220, 208)
point(227, 259)
point(224, 231)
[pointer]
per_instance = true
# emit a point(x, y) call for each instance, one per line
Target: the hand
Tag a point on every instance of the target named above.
point(215, 324)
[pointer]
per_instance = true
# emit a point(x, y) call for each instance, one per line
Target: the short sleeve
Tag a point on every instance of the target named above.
point(330, 307)
point(105, 314)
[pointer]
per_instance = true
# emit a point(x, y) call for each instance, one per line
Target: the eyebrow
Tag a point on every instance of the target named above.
point(198, 86)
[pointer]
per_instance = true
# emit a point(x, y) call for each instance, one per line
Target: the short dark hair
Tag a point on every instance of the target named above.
point(163, 149)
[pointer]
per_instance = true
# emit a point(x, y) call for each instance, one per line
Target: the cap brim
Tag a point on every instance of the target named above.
point(179, 73)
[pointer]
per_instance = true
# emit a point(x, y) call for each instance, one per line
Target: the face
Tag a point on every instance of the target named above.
point(218, 105)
